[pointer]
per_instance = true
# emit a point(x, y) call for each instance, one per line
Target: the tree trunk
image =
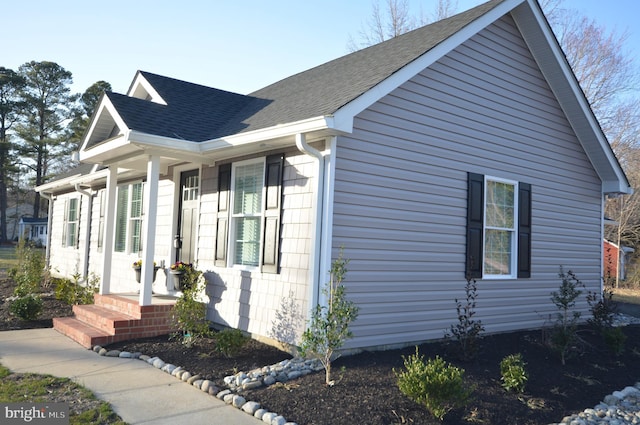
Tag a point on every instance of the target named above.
point(3, 183)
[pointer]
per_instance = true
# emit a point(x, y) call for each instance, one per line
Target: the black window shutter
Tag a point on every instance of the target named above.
point(475, 223)
point(222, 225)
point(524, 230)
point(272, 213)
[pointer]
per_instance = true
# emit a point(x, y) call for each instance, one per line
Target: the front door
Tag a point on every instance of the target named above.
point(188, 218)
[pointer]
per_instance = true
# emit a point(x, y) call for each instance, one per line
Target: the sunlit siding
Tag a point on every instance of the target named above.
point(400, 193)
point(269, 306)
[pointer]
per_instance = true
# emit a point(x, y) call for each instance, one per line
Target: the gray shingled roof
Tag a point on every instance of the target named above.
point(193, 112)
point(197, 113)
point(326, 88)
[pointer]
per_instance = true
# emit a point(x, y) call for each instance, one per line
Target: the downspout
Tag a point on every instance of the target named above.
point(87, 244)
point(316, 247)
point(47, 249)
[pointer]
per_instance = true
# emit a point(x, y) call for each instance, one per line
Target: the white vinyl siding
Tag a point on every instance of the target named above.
point(401, 193)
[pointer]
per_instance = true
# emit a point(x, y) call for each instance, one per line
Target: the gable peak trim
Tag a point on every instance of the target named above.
point(141, 88)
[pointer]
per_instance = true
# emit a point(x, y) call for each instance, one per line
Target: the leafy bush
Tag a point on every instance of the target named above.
point(329, 326)
point(435, 384)
point(615, 339)
point(27, 307)
point(72, 292)
point(602, 309)
point(230, 341)
point(189, 315)
point(514, 375)
point(564, 333)
point(30, 271)
point(467, 331)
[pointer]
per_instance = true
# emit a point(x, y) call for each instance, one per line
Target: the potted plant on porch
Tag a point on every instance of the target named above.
point(178, 272)
point(137, 267)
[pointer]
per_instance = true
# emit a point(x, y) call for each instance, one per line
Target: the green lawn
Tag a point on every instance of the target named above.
point(626, 295)
point(45, 388)
point(7, 258)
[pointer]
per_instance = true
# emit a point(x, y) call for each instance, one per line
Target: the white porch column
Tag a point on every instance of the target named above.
point(150, 202)
point(109, 225)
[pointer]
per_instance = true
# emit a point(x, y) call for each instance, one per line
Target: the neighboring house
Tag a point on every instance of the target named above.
point(33, 229)
point(463, 148)
point(616, 260)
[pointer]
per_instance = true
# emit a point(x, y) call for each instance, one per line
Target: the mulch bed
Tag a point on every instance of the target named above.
point(366, 393)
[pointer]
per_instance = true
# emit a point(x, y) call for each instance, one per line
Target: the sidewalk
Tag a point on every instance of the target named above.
point(139, 393)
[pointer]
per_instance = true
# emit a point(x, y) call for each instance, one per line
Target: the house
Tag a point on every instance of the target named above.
point(33, 229)
point(616, 260)
point(465, 148)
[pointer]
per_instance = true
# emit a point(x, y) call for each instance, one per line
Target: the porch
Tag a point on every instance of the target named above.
point(117, 317)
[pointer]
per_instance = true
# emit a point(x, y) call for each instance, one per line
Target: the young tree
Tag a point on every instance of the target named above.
point(49, 104)
point(10, 106)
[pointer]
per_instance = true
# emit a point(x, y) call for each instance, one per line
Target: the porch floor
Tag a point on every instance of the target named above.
point(117, 317)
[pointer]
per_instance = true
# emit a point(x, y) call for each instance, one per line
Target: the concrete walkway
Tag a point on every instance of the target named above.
point(138, 392)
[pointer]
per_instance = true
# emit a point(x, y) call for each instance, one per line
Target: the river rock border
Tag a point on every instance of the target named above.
point(265, 376)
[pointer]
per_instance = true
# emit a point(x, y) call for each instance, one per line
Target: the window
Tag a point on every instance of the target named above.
point(498, 228)
point(129, 219)
point(102, 206)
point(249, 198)
point(246, 189)
point(70, 227)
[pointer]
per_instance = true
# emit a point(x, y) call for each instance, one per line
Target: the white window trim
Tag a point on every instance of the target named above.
point(233, 217)
point(514, 234)
point(68, 222)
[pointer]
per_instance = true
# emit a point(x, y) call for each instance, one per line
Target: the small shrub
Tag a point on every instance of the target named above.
point(467, 331)
point(189, 315)
point(72, 292)
point(30, 271)
point(27, 307)
point(514, 375)
point(329, 326)
point(602, 309)
point(230, 341)
point(564, 334)
point(615, 339)
point(435, 384)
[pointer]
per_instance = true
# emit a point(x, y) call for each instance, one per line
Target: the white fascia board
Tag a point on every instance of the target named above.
point(140, 81)
point(105, 107)
point(555, 67)
point(71, 181)
point(149, 140)
point(48, 187)
point(275, 132)
point(616, 187)
point(102, 148)
point(345, 115)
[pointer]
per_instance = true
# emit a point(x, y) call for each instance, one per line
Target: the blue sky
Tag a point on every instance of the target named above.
point(238, 46)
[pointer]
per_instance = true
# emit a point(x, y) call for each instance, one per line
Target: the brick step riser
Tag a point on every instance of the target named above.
point(109, 325)
point(121, 326)
point(73, 329)
point(118, 304)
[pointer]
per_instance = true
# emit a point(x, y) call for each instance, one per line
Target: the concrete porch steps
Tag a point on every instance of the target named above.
point(115, 318)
